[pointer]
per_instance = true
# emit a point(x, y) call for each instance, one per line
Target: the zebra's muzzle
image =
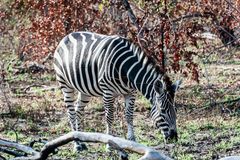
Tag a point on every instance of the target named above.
point(172, 136)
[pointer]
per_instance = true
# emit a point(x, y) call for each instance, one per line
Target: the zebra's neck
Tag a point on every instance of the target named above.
point(144, 75)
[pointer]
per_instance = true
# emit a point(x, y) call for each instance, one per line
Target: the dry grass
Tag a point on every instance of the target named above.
point(206, 132)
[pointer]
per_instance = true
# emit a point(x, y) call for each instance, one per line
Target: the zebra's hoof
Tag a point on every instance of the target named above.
point(132, 138)
point(80, 147)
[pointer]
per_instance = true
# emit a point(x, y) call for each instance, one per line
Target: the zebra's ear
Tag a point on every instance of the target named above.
point(159, 86)
point(176, 85)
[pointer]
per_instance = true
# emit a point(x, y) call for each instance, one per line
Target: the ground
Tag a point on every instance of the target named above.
point(208, 126)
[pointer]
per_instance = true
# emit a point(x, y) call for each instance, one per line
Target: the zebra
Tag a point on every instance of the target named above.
point(96, 65)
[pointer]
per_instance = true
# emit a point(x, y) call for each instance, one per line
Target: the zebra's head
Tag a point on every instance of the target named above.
point(163, 111)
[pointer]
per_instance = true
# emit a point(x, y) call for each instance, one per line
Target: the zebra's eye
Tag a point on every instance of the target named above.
point(175, 108)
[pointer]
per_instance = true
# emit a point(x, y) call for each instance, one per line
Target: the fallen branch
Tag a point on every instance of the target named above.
point(42, 89)
point(2, 158)
point(122, 144)
point(20, 147)
point(11, 152)
point(223, 102)
point(123, 155)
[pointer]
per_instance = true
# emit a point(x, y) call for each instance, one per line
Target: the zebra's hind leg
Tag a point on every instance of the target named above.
point(129, 109)
point(82, 101)
point(108, 101)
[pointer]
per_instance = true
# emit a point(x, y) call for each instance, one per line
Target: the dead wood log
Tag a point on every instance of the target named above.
point(20, 147)
point(231, 158)
point(11, 152)
point(48, 148)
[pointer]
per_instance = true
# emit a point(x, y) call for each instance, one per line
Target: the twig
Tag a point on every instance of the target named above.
point(140, 35)
point(206, 15)
point(194, 15)
point(135, 23)
point(233, 6)
point(39, 141)
point(30, 86)
point(218, 48)
point(137, 7)
point(5, 114)
point(224, 30)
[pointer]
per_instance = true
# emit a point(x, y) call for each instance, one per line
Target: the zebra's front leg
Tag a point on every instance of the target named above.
point(68, 94)
point(82, 101)
point(129, 109)
point(108, 101)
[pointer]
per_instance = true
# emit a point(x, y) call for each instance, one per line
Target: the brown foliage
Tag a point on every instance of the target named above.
point(165, 30)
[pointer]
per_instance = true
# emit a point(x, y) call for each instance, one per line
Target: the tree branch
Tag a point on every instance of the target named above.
point(122, 144)
point(11, 152)
point(20, 147)
point(2, 158)
point(130, 13)
point(194, 15)
point(221, 29)
point(229, 3)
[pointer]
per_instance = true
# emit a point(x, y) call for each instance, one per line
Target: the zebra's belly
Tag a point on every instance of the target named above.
point(88, 88)
point(94, 88)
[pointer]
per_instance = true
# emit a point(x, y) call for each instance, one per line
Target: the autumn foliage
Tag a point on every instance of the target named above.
point(168, 31)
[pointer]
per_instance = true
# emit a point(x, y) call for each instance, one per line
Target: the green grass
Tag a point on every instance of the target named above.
point(99, 107)
point(185, 157)
point(223, 146)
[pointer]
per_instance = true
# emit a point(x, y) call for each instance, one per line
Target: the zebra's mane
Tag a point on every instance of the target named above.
point(165, 78)
point(151, 60)
point(169, 84)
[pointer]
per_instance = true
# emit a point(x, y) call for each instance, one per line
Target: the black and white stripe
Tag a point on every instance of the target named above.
point(108, 66)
